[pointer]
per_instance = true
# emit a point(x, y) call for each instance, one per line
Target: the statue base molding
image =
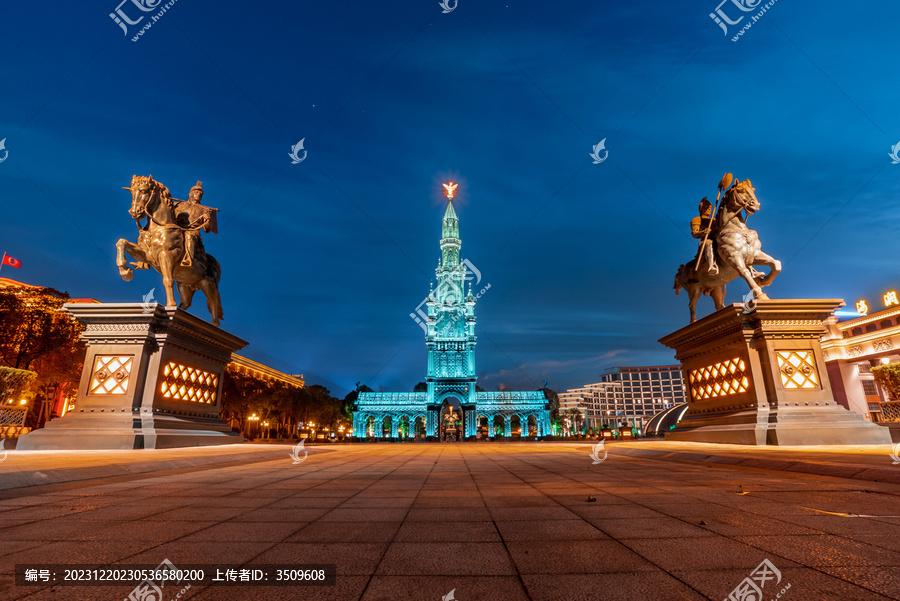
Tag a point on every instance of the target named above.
point(152, 379)
point(759, 378)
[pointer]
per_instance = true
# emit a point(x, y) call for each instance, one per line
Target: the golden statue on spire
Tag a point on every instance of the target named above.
point(451, 189)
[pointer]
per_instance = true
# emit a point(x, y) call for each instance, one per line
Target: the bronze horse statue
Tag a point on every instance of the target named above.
point(161, 246)
point(737, 247)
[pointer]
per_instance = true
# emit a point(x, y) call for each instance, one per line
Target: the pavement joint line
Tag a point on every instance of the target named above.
point(624, 542)
point(400, 527)
point(610, 536)
point(145, 467)
point(763, 464)
point(606, 534)
point(37, 489)
point(553, 474)
point(200, 589)
point(733, 538)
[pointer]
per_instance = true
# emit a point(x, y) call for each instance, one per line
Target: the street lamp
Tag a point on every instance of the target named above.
point(253, 418)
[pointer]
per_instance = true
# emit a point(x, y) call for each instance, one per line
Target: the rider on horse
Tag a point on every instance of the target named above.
point(700, 229)
point(191, 215)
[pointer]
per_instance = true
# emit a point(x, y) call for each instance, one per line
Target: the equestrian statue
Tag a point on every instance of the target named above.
point(728, 248)
point(170, 242)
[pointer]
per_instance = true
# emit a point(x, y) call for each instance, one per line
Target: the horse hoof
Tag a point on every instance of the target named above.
point(126, 273)
point(762, 296)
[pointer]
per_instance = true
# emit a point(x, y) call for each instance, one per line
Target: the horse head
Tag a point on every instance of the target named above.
point(742, 197)
point(142, 189)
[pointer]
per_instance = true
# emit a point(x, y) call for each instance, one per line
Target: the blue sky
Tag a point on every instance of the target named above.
point(324, 261)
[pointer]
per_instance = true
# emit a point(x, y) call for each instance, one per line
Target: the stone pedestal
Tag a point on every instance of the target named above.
point(759, 378)
point(152, 379)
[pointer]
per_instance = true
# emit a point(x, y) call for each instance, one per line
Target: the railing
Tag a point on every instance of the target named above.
point(12, 422)
point(890, 411)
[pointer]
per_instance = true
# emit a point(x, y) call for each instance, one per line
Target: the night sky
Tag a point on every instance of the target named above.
point(323, 261)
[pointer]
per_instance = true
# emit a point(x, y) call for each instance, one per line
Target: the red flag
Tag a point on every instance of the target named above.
point(7, 260)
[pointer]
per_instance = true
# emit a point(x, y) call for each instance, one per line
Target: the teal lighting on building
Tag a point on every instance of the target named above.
point(450, 375)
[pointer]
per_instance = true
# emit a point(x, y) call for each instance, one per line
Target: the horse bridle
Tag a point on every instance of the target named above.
point(149, 215)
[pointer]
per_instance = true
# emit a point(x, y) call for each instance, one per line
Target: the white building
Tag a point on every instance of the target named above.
point(632, 394)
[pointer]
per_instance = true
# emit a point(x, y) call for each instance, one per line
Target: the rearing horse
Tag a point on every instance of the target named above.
point(737, 247)
point(161, 246)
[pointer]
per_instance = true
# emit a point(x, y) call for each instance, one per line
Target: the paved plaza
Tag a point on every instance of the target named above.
point(486, 521)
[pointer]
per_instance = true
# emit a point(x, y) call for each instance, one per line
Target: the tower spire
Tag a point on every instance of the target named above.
point(450, 241)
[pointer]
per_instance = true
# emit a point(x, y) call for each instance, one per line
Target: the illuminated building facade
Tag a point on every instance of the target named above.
point(633, 394)
point(852, 347)
point(450, 374)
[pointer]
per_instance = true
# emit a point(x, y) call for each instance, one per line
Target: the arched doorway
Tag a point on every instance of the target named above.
point(404, 426)
point(419, 427)
point(531, 422)
point(515, 427)
point(498, 426)
point(451, 426)
point(482, 431)
point(386, 425)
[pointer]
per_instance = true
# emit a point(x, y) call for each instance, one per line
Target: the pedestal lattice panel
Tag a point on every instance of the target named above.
point(798, 370)
point(185, 383)
point(720, 379)
point(111, 374)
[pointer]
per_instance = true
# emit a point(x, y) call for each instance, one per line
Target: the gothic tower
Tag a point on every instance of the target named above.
point(451, 324)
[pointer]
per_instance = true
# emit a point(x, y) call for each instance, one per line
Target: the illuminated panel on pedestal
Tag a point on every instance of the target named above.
point(798, 369)
point(111, 374)
point(184, 383)
point(721, 379)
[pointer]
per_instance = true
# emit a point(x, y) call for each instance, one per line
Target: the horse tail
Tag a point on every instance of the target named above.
point(214, 273)
point(677, 285)
point(213, 269)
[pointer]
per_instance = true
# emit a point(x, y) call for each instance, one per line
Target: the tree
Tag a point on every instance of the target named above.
point(281, 405)
point(36, 335)
point(888, 377)
point(350, 399)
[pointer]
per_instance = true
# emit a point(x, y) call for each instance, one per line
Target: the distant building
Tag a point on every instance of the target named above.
point(11, 283)
point(450, 406)
point(633, 394)
point(264, 372)
point(851, 348)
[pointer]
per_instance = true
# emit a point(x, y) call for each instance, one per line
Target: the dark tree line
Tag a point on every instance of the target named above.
point(285, 408)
